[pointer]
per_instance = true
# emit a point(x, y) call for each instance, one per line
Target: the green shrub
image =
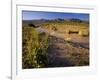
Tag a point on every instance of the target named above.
point(34, 48)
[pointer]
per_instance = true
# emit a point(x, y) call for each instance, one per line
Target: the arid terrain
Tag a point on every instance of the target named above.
point(55, 44)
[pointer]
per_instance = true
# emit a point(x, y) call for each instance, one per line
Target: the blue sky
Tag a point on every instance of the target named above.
point(31, 15)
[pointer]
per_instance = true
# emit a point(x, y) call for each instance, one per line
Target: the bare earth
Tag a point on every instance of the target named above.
point(62, 53)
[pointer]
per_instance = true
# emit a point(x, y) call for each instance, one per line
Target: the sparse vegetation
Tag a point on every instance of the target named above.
point(34, 52)
point(65, 44)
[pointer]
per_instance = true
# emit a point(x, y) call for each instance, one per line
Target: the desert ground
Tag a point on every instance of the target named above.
point(55, 44)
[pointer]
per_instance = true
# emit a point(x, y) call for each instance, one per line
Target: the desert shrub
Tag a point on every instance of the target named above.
point(73, 32)
point(68, 39)
point(30, 46)
point(34, 47)
point(83, 33)
point(83, 62)
point(32, 25)
point(79, 59)
point(54, 28)
point(42, 52)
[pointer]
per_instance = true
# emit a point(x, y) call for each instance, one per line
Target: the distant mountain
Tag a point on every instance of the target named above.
point(59, 19)
point(41, 21)
point(78, 20)
point(75, 20)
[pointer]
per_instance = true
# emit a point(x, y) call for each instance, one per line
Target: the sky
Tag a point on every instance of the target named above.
point(33, 15)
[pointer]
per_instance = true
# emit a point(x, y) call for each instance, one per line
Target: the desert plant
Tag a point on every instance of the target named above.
point(83, 33)
point(34, 48)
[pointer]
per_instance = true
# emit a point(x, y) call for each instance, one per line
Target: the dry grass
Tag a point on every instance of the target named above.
point(70, 50)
